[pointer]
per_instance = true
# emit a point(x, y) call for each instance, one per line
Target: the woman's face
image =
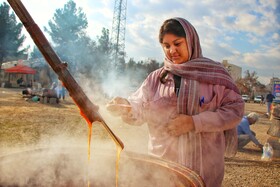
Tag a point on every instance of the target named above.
point(175, 48)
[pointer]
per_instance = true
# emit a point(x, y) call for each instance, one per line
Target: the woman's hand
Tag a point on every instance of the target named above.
point(119, 106)
point(179, 125)
point(119, 100)
point(130, 119)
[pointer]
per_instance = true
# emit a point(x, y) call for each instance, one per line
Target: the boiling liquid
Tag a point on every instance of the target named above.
point(119, 149)
point(118, 146)
point(89, 141)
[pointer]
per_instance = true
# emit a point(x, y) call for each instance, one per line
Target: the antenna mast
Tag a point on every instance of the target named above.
point(118, 31)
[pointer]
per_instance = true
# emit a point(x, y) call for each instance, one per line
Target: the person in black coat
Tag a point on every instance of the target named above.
point(269, 99)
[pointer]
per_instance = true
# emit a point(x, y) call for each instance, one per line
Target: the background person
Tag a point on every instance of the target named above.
point(20, 81)
point(269, 99)
point(262, 100)
point(37, 86)
point(62, 90)
point(245, 134)
point(189, 105)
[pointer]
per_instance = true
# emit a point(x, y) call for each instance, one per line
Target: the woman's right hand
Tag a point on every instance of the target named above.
point(119, 106)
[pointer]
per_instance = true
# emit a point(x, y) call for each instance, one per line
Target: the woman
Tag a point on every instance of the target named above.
point(191, 105)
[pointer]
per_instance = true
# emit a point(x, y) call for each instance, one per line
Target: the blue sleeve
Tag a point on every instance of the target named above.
point(245, 127)
point(253, 138)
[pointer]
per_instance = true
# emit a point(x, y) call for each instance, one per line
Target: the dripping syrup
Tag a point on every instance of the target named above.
point(118, 146)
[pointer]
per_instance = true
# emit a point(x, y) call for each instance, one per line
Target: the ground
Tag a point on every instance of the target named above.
point(27, 124)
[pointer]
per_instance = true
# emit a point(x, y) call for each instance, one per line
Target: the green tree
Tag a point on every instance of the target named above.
point(86, 57)
point(103, 53)
point(37, 60)
point(137, 72)
point(36, 53)
point(11, 39)
point(68, 24)
point(104, 42)
point(68, 32)
point(151, 66)
point(46, 75)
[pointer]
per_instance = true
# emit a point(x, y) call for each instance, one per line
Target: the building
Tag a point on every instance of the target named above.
point(234, 70)
point(269, 87)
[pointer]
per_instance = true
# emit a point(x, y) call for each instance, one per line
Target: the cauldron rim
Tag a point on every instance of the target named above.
point(180, 170)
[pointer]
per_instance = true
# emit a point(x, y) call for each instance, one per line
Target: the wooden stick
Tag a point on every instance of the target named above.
point(86, 106)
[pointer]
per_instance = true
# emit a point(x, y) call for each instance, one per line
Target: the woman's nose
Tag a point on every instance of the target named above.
point(173, 49)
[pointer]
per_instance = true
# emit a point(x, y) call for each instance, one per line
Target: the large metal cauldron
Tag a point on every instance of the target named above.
point(70, 167)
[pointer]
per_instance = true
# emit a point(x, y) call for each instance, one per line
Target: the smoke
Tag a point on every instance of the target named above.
point(135, 138)
point(60, 166)
point(111, 83)
point(62, 160)
point(114, 85)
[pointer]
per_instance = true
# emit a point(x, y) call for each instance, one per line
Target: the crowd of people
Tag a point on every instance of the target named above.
point(35, 91)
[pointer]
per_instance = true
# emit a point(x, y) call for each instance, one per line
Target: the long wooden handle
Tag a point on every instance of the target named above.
point(86, 106)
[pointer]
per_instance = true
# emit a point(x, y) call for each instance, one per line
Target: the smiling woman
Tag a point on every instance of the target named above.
point(191, 105)
point(175, 48)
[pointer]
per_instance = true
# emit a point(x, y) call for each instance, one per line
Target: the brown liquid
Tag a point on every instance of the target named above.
point(89, 141)
point(118, 146)
point(119, 149)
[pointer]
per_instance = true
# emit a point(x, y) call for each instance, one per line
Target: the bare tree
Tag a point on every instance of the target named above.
point(250, 84)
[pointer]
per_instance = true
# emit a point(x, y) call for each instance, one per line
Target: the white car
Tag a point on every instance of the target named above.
point(246, 98)
point(258, 99)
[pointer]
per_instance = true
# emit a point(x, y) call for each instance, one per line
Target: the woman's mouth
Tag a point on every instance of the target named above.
point(175, 58)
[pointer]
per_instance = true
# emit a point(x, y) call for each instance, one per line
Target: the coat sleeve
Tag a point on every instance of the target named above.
point(223, 111)
point(143, 95)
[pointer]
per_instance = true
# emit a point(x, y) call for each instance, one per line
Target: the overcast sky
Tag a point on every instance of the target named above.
point(246, 33)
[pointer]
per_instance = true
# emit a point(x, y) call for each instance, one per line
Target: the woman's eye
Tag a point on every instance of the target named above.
point(177, 44)
point(167, 47)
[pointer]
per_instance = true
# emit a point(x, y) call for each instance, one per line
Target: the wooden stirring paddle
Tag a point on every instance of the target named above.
point(88, 109)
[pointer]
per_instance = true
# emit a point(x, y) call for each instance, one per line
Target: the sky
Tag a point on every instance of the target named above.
point(246, 33)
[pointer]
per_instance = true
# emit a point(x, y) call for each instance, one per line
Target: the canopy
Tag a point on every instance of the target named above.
point(20, 69)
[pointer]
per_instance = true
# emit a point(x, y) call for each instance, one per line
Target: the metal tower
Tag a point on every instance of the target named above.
point(118, 30)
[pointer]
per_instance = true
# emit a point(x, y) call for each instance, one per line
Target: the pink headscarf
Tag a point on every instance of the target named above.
point(198, 67)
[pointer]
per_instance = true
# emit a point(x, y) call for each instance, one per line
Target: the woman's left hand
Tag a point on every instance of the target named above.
point(118, 106)
point(179, 125)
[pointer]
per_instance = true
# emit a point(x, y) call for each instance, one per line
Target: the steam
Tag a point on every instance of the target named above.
point(114, 85)
point(70, 167)
point(61, 160)
point(135, 138)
